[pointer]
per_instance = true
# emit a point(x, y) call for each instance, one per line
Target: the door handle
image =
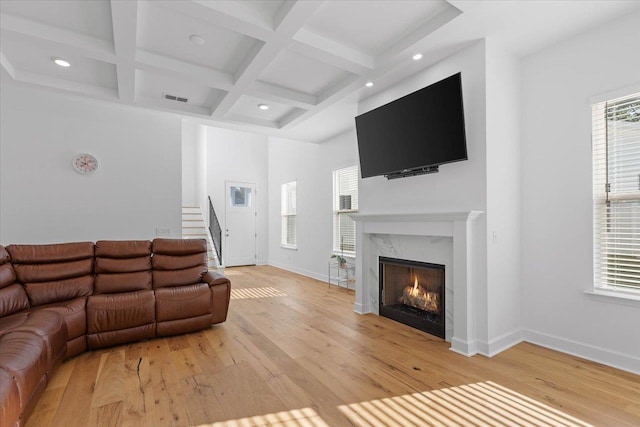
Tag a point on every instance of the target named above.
point(226, 232)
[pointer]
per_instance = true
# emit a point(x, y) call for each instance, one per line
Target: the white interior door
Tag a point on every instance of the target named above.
point(240, 224)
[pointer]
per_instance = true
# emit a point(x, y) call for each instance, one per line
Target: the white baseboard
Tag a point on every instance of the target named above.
point(362, 308)
point(622, 361)
point(500, 344)
point(312, 274)
point(465, 348)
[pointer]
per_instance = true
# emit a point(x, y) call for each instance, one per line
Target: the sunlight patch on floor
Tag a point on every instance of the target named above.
point(480, 404)
point(305, 417)
point(230, 272)
point(256, 293)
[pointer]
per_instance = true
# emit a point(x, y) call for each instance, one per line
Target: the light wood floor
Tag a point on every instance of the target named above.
point(293, 353)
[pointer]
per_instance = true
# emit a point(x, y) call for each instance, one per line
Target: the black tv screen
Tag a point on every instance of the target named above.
point(414, 134)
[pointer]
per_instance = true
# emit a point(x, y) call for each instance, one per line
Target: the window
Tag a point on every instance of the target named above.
point(240, 197)
point(288, 228)
point(616, 193)
point(345, 202)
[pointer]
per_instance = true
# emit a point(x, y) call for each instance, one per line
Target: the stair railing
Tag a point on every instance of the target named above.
point(215, 230)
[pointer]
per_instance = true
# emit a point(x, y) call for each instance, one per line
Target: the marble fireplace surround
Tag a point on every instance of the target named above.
point(428, 228)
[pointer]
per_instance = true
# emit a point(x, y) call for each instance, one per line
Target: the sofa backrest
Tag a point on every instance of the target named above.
point(13, 297)
point(122, 266)
point(54, 272)
point(178, 262)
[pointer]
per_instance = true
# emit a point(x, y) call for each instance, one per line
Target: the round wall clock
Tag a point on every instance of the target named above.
point(85, 163)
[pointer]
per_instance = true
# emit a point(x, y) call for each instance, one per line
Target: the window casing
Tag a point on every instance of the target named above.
point(616, 194)
point(345, 202)
point(288, 214)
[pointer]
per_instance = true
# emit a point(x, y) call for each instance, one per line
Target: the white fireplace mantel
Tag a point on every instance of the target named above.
point(458, 225)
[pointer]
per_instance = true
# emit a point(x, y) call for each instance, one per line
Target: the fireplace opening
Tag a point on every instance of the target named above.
point(412, 292)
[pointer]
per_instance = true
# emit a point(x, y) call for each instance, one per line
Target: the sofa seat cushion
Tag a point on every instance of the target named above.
point(183, 303)
point(117, 313)
point(49, 325)
point(9, 399)
point(75, 317)
point(24, 356)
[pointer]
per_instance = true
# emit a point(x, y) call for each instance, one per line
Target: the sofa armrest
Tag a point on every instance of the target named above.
point(213, 278)
point(220, 295)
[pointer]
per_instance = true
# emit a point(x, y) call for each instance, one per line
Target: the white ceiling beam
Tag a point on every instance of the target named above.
point(330, 97)
point(241, 11)
point(164, 65)
point(246, 76)
point(7, 66)
point(90, 46)
point(291, 117)
point(165, 104)
point(207, 11)
point(282, 95)
point(60, 49)
point(66, 85)
point(292, 15)
point(290, 21)
point(329, 51)
point(124, 15)
point(242, 119)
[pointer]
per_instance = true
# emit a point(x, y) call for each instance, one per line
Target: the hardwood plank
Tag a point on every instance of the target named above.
point(297, 355)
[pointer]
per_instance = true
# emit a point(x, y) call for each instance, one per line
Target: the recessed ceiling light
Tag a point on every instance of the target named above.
point(417, 56)
point(196, 39)
point(369, 84)
point(61, 62)
point(263, 106)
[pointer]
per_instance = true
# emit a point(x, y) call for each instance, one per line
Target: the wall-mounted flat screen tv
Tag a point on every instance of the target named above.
point(414, 134)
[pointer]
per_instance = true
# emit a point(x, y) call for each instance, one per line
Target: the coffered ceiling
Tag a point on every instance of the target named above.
point(307, 60)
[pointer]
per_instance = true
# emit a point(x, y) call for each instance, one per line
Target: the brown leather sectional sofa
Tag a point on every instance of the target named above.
point(59, 300)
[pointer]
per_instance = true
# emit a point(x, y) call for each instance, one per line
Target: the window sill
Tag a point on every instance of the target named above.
point(290, 247)
point(615, 296)
point(350, 255)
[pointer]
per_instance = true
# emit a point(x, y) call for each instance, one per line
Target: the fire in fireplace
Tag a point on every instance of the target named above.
point(412, 292)
point(418, 297)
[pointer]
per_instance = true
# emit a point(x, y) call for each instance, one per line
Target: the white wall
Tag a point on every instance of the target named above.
point(194, 166)
point(239, 157)
point(312, 166)
point(504, 288)
point(189, 136)
point(135, 189)
point(201, 173)
point(557, 195)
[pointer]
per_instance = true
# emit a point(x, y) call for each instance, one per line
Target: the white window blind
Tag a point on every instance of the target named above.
point(616, 193)
point(288, 211)
point(345, 202)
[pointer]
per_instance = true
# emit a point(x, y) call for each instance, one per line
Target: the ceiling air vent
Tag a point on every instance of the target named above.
point(174, 98)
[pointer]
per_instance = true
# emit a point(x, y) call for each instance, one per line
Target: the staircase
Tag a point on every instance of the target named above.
point(194, 227)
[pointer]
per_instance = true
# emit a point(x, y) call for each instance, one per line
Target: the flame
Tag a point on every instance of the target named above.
point(414, 291)
point(419, 297)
